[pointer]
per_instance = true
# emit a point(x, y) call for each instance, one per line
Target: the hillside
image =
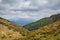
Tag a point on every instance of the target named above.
point(48, 32)
point(46, 29)
point(9, 34)
point(37, 24)
point(42, 22)
point(13, 26)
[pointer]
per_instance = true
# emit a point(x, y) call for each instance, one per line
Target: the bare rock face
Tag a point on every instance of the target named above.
point(53, 18)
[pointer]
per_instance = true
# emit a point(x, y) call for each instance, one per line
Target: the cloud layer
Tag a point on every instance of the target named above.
point(35, 9)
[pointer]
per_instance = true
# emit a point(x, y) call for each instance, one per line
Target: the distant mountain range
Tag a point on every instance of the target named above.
point(22, 21)
point(44, 29)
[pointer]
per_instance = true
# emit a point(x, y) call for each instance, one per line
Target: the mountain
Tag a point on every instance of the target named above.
point(13, 26)
point(37, 24)
point(47, 29)
point(21, 21)
point(48, 32)
point(42, 22)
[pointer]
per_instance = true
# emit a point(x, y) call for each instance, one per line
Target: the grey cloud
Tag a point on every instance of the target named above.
point(29, 10)
point(12, 1)
point(53, 4)
point(1, 13)
point(8, 1)
point(26, 10)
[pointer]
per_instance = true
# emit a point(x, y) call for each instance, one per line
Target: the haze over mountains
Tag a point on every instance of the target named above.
point(22, 21)
point(25, 21)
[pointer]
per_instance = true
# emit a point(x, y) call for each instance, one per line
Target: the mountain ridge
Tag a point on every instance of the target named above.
point(42, 22)
point(13, 26)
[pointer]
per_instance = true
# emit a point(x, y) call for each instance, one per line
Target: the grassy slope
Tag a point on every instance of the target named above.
point(9, 34)
point(48, 32)
point(13, 26)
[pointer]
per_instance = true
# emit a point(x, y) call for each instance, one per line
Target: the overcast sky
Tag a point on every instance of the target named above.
point(33, 9)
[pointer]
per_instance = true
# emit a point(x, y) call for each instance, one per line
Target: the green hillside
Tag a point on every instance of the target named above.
point(13, 26)
point(48, 32)
point(37, 24)
point(42, 22)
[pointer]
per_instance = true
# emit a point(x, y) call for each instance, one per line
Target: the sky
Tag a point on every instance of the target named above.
point(27, 11)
